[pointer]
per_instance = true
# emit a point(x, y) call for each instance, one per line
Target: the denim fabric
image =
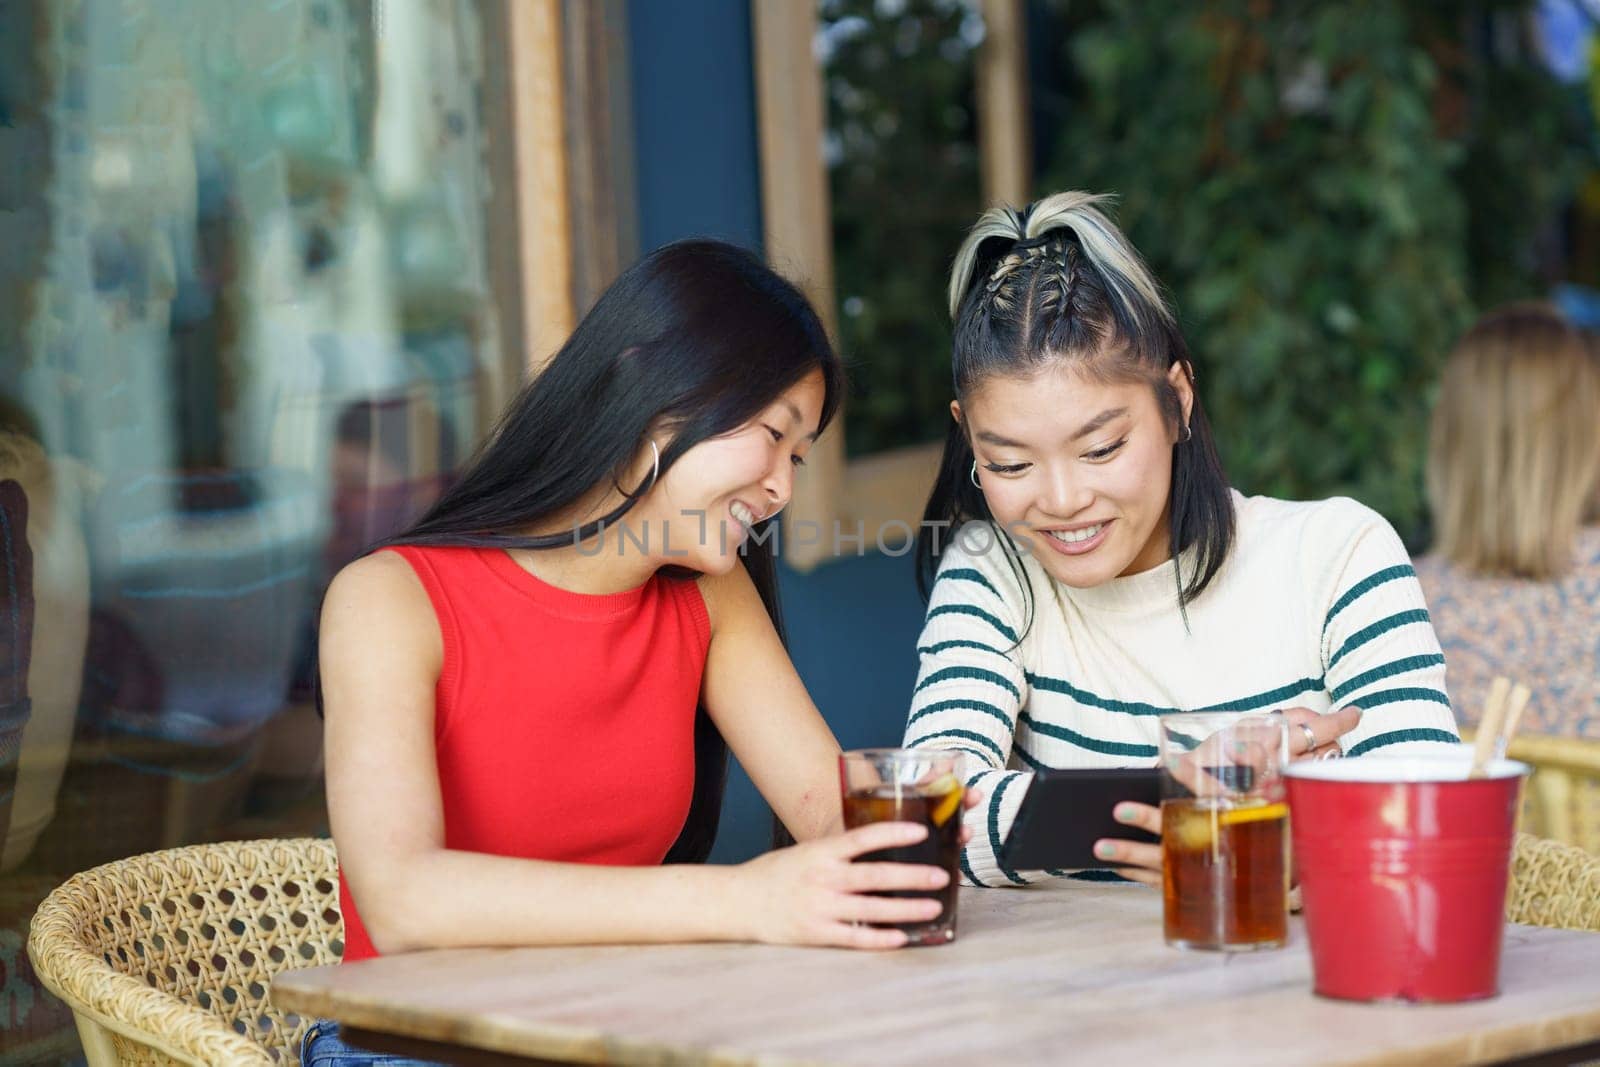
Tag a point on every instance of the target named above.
point(322, 1047)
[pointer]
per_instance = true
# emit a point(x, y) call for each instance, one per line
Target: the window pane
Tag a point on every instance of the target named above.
point(257, 335)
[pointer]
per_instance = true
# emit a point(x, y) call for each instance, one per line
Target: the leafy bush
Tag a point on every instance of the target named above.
point(903, 174)
point(1330, 191)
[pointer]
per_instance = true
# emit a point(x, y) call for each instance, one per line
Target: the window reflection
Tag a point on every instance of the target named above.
point(258, 338)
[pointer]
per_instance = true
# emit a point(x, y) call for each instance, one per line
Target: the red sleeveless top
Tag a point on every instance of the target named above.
point(564, 722)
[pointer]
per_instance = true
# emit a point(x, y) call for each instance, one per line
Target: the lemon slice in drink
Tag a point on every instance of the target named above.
point(948, 789)
point(1254, 813)
point(1189, 827)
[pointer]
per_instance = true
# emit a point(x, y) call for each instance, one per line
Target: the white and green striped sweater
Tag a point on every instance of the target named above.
point(1316, 606)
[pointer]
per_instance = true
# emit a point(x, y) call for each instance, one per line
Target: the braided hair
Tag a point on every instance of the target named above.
point(1058, 282)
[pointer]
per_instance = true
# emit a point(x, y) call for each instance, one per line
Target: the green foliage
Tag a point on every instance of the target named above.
point(1330, 191)
point(903, 173)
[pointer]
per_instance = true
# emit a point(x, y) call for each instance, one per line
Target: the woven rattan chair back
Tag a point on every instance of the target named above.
point(167, 958)
point(1561, 801)
point(1553, 884)
point(1563, 796)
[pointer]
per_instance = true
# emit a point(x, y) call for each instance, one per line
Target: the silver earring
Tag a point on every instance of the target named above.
point(655, 472)
point(1188, 432)
point(975, 475)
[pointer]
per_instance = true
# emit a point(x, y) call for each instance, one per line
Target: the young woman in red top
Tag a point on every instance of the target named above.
point(530, 696)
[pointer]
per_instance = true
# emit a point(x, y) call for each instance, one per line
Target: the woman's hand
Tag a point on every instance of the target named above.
point(1141, 859)
point(813, 894)
point(1322, 741)
point(1311, 736)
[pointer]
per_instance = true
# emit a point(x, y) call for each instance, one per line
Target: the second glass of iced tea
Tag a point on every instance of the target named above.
point(910, 785)
point(1224, 830)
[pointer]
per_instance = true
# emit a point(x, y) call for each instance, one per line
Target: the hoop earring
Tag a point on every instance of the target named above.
point(655, 472)
point(974, 476)
point(1188, 432)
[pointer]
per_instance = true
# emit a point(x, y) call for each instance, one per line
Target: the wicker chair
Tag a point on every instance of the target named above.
point(1562, 798)
point(1553, 884)
point(166, 958)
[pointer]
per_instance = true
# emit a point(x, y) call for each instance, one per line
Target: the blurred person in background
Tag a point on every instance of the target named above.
point(1513, 478)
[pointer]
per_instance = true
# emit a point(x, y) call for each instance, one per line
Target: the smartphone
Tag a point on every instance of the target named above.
point(1065, 812)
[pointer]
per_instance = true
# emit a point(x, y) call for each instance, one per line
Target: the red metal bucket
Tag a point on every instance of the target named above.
point(1403, 864)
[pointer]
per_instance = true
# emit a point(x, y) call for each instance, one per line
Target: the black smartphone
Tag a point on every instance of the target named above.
point(1065, 812)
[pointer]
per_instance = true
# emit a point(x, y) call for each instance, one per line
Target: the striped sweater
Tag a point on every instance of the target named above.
point(1316, 606)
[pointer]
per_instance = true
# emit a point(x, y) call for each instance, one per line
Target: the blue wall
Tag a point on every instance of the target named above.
point(853, 627)
point(852, 623)
point(694, 120)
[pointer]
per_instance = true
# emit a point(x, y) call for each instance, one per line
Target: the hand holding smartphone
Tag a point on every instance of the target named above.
point(1065, 812)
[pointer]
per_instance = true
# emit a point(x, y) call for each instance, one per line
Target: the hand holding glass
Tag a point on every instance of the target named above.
point(1225, 870)
point(910, 785)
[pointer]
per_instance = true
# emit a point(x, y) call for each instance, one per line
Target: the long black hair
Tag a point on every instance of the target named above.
point(699, 336)
point(1059, 281)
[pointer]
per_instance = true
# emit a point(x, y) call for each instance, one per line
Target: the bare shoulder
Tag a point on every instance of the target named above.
point(378, 574)
point(729, 597)
point(378, 600)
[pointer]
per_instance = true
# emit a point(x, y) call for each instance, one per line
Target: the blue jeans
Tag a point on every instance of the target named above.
point(322, 1047)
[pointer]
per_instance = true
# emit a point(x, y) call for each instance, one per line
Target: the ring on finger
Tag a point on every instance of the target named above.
point(1311, 738)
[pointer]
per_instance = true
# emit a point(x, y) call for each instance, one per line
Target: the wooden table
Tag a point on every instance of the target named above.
point(1067, 972)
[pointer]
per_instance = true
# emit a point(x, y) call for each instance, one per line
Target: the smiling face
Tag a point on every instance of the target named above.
point(722, 486)
point(1078, 470)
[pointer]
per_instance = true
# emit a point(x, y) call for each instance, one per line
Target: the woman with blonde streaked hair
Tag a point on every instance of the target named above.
point(1089, 568)
point(1514, 482)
